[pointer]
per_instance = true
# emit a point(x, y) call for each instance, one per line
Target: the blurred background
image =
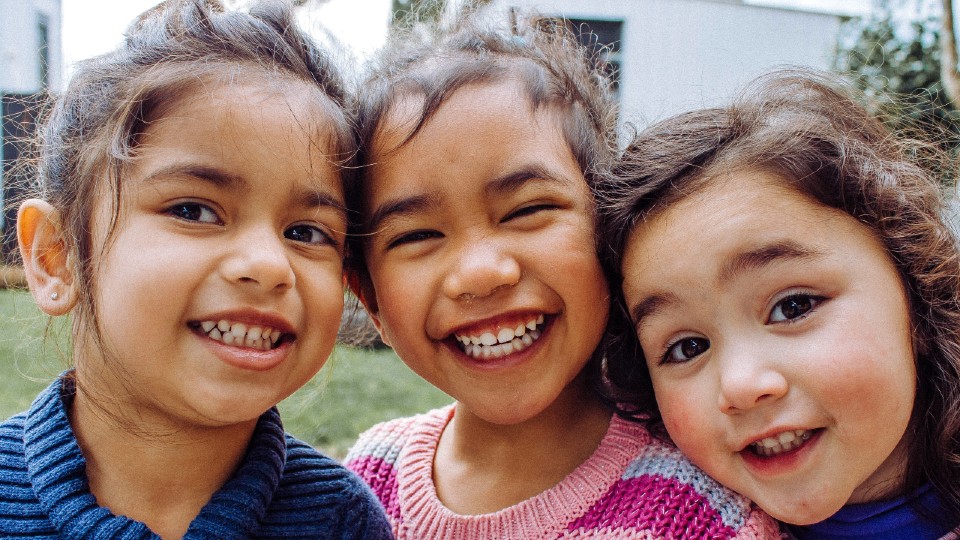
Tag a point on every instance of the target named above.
point(666, 56)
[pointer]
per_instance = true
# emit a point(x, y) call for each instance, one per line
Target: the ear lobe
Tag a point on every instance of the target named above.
point(46, 257)
point(363, 289)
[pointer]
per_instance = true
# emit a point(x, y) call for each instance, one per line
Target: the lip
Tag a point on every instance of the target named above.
point(784, 463)
point(504, 362)
point(244, 357)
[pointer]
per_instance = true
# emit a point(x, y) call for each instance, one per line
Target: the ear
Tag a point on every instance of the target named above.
point(46, 258)
point(362, 287)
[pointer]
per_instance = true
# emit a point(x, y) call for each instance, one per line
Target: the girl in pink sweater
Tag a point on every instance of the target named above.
point(478, 266)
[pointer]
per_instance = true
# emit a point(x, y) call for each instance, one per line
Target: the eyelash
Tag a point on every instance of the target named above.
point(180, 210)
point(421, 235)
point(529, 210)
point(665, 358)
point(811, 301)
point(325, 238)
point(176, 211)
point(413, 236)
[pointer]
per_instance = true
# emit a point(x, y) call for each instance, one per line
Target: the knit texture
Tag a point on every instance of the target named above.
point(282, 489)
point(633, 486)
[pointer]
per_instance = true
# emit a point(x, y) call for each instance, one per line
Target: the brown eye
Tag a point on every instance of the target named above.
point(307, 234)
point(190, 211)
point(793, 307)
point(686, 349)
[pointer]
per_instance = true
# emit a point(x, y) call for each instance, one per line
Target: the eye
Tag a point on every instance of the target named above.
point(793, 307)
point(685, 349)
point(307, 234)
point(413, 237)
point(191, 211)
point(529, 210)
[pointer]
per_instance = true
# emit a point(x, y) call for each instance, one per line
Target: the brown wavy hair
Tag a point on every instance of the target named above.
point(807, 128)
point(90, 132)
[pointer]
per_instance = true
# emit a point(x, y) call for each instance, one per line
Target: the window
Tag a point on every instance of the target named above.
point(43, 50)
point(603, 37)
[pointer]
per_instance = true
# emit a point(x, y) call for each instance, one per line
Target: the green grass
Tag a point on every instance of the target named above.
point(356, 388)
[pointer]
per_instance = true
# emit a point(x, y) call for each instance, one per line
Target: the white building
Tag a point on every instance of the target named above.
point(30, 64)
point(676, 55)
point(30, 51)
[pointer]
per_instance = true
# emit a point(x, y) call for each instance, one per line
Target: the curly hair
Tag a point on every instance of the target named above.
point(807, 128)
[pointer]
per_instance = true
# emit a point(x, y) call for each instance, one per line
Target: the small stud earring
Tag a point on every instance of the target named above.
point(54, 295)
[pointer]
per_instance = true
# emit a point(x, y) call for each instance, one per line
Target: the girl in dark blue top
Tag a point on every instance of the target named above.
point(190, 216)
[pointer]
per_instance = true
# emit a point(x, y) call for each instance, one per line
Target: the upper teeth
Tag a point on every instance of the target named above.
point(784, 442)
point(257, 337)
point(505, 341)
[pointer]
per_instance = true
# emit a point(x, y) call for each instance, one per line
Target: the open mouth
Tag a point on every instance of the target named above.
point(239, 334)
point(782, 443)
point(503, 340)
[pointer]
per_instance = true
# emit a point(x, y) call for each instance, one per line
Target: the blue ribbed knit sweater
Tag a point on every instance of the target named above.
point(283, 487)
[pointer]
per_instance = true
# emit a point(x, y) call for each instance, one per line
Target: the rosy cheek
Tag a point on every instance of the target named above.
point(681, 416)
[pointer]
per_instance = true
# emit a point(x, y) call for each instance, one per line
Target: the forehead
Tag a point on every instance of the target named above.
point(255, 130)
point(732, 214)
point(481, 130)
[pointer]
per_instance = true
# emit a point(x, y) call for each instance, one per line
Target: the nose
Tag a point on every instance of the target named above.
point(259, 258)
point(480, 269)
point(748, 380)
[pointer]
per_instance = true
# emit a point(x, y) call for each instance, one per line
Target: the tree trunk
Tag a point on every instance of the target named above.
point(949, 74)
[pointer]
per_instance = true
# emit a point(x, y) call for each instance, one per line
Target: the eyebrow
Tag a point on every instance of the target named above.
point(400, 207)
point(764, 256)
point(515, 180)
point(507, 183)
point(747, 261)
point(307, 198)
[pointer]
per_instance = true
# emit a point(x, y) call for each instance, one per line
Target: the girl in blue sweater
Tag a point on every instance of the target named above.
point(190, 215)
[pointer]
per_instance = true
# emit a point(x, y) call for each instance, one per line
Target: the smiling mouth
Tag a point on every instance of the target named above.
point(503, 341)
point(781, 443)
point(239, 334)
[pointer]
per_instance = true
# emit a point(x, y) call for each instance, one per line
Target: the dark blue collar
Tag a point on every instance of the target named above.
point(57, 470)
point(892, 520)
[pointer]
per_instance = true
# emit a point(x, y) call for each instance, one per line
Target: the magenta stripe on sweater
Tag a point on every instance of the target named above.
point(679, 511)
point(381, 476)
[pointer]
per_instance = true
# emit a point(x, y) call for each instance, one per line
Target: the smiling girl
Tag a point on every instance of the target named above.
point(795, 294)
point(479, 267)
point(192, 220)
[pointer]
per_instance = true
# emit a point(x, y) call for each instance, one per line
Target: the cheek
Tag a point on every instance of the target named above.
point(683, 415)
point(324, 297)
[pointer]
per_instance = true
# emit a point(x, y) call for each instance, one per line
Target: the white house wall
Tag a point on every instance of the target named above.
point(683, 54)
point(19, 41)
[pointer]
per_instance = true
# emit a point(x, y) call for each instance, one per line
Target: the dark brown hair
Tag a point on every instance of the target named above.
point(806, 128)
point(479, 47)
point(486, 46)
point(91, 132)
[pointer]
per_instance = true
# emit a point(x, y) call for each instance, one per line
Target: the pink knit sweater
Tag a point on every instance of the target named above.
point(633, 486)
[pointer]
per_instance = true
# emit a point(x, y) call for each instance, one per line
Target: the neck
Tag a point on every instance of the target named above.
point(154, 469)
point(482, 467)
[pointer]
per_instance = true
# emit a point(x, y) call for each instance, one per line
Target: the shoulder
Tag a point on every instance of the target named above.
point(319, 496)
point(21, 514)
point(13, 465)
point(667, 486)
point(376, 454)
point(381, 444)
point(11, 430)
